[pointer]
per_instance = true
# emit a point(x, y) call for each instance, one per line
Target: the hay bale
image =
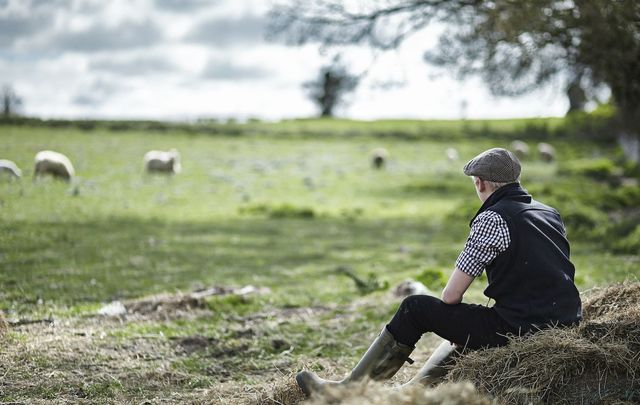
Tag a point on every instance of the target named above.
point(597, 361)
point(604, 302)
point(460, 393)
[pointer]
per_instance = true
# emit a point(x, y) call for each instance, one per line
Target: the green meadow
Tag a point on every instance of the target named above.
point(294, 208)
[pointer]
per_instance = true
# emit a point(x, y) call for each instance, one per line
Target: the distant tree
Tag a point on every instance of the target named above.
point(515, 46)
point(10, 101)
point(331, 86)
point(576, 95)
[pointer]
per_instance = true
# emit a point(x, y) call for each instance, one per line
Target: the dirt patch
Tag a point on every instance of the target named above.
point(164, 304)
point(282, 315)
point(192, 344)
point(208, 346)
point(172, 306)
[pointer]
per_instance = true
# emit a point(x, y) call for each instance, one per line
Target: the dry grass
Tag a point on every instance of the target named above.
point(284, 391)
point(287, 392)
point(460, 393)
point(81, 361)
point(75, 361)
point(62, 364)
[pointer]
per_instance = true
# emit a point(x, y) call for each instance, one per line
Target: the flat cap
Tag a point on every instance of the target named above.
point(495, 164)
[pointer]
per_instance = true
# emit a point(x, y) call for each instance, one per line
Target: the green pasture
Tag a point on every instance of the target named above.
point(272, 208)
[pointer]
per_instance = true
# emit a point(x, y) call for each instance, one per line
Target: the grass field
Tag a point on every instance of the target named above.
point(274, 208)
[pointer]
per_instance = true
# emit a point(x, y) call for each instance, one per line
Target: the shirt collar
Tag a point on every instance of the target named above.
point(512, 191)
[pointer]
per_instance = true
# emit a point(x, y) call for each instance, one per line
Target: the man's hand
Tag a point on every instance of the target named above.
point(457, 285)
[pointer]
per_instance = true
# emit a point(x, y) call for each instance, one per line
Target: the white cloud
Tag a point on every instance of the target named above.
point(134, 65)
point(226, 32)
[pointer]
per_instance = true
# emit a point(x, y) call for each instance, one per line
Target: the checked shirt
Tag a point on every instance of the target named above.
point(488, 238)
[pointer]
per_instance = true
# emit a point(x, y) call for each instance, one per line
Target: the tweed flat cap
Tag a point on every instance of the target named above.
point(495, 164)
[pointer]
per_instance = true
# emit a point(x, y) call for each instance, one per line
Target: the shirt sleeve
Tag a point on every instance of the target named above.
point(488, 238)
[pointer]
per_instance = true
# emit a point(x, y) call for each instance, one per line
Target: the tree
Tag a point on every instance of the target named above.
point(10, 101)
point(328, 90)
point(576, 95)
point(514, 45)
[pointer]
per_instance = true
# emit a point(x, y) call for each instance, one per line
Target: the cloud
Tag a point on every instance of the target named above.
point(96, 93)
point(226, 70)
point(100, 37)
point(17, 22)
point(184, 6)
point(224, 32)
point(13, 28)
point(138, 65)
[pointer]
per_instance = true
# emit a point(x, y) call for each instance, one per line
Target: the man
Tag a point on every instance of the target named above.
point(522, 246)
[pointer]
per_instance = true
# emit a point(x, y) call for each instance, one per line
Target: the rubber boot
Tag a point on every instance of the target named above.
point(435, 369)
point(382, 361)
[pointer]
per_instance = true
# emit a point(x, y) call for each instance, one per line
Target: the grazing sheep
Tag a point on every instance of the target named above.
point(547, 152)
point(10, 169)
point(53, 163)
point(520, 149)
point(452, 154)
point(162, 162)
point(379, 157)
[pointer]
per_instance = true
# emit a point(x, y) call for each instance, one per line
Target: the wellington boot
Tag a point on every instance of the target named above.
point(382, 361)
point(436, 367)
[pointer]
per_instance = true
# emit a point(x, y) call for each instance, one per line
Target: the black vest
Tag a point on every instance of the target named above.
point(532, 281)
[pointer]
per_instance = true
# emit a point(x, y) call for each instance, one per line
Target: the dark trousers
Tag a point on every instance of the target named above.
point(467, 325)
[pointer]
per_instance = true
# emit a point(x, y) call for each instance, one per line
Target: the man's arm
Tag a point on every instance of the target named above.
point(457, 285)
point(489, 237)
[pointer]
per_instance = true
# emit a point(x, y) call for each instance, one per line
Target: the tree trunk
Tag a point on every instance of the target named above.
point(576, 95)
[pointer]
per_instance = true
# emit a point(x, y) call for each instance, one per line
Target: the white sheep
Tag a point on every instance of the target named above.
point(379, 157)
point(452, 154)
point(10, 169)
point(162, 161)
point(410, 287)
point(520, 149)
point(547, 152)
point(53, 163)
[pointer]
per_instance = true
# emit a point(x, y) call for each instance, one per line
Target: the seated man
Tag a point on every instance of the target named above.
point(522, 246)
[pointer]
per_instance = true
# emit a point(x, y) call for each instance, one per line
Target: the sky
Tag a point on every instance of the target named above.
point(192, 59)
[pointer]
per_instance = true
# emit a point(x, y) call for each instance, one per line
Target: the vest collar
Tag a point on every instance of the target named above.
point(512, 191)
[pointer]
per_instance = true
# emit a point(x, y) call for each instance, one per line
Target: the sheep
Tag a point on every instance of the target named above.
point(410, 287)
point(53, 163)
point(547, 152)
point(10, 169)
point(379, 157)
point(520, 149)
point(162, 161)
point(452, 154)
